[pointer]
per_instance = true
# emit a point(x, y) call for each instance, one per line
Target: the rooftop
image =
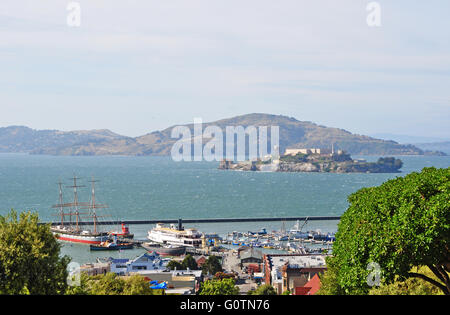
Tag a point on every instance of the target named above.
point(297, 261)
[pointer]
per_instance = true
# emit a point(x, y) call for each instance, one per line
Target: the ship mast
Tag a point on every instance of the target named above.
point(93, 205)
point(75, 203)
point(61, 203)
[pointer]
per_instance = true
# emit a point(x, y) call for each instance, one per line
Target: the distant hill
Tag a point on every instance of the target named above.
point(443, 146)
point(293, 134)
point(407, 139)
point(24, 139)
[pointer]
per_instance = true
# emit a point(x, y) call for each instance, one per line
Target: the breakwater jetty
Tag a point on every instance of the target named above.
point(211, 220)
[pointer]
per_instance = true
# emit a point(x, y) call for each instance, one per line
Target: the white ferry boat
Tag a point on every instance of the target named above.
point(175, 235)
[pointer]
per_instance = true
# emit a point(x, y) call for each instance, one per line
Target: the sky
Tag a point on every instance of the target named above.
point(138, 66)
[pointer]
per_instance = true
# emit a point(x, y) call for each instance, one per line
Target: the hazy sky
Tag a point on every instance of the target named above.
point(138, 66)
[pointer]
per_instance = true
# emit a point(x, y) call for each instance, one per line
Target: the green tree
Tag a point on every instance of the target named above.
point(111, 284)
point(328, 281)
point(108, 284)
point(137, 285)
point(212, 265)
point(219, 287)
point(29, 257)
point(83, 288)
point(174, 264)
point(403, 223)
point(265, 289)
point(189, 262)
point(410, 286)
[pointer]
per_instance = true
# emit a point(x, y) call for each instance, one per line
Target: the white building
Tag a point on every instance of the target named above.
point(147, 261)
point(294, 152)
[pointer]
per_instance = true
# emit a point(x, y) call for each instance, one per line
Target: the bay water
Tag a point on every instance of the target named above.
point(144, 188)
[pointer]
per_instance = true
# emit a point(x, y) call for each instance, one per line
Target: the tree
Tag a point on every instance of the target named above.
point(108, 284)
point(411, 286)
point(212, 265)
point(328, 281)
point(403, 223)
point(174, 264)
point(265, 289)
point(219, 287)
point(189, 263)
point(222, 275)
point(112, 284)
point(29, 257)
point(83, 288)
point(137, 285)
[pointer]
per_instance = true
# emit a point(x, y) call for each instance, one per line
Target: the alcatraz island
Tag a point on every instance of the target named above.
point(315, 160)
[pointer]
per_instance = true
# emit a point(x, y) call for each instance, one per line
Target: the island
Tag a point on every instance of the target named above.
point(315, 160)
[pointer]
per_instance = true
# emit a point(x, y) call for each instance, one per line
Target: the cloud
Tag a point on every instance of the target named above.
point(221, 58)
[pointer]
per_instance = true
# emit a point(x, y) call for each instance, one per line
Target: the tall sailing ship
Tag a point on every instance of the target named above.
point(71, 227)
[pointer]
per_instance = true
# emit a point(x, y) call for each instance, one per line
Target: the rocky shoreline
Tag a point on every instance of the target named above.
point(383, 165)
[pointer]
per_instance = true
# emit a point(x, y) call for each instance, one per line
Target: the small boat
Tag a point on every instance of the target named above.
point(260, 232)
point(111, 246)
point(125, 233)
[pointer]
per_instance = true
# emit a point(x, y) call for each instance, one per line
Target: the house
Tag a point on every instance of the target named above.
point(287, 272)
point(310, 288)
point(95, 268)
point(178, 281)
point(250, 255)
point(145, 261)
point(200, 261)
point(294, 152)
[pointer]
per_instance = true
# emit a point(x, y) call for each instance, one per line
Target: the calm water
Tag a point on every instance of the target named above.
point(158, 188)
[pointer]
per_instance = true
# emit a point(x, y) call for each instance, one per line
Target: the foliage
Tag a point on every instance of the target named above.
point(328, 281)
point(265, 289)
point(174, 264)
point(219, 287)
point(401, 224)
point(109, 284)
point(223, 275)
point(112, 284)
point(83, 288)
point(411, 286)
point(212, 265)
point(29, 257)
point(137, 285)
point(189, 263)
point(287, 292)
point(298, 158)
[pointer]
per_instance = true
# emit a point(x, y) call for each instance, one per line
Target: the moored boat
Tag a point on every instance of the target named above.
point(178, 236)
point(164, 250)
point(81, 236)
point(70, 227)
point(124, 233)
point(111, 246)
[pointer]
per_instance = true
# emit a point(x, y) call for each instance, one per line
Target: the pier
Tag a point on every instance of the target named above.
point(211, 220)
